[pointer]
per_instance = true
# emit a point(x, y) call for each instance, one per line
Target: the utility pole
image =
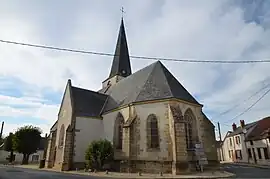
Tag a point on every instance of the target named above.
point(2, 128)
point(219, 132)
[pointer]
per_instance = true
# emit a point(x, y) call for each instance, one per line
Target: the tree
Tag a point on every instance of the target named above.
point(9, 146)
point(26, 141)
point(99, 153)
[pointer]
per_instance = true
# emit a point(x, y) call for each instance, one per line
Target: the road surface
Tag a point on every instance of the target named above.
point(247, 171)
point(9, 172)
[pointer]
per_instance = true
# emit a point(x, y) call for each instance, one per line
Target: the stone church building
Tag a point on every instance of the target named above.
point(151, 119)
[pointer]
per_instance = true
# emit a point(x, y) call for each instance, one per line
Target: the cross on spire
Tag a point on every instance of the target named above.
point(122, 10)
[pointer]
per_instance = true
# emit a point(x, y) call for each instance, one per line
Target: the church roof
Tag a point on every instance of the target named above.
point(150, 83)
point(121, 62)
point(87, 103)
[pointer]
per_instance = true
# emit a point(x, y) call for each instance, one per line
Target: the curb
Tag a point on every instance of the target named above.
point(225, 174)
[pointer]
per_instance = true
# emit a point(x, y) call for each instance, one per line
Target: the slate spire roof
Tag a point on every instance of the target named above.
point(150, 83)
point(121, 62)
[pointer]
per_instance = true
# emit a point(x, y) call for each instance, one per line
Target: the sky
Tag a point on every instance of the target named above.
point(32, 80)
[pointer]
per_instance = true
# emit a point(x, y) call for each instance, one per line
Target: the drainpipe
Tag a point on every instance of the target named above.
point(245, 131)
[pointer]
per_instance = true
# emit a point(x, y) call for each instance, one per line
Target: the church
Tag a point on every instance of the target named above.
point(153, 122)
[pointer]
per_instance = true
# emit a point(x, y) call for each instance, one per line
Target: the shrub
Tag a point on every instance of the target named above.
point(99, 153)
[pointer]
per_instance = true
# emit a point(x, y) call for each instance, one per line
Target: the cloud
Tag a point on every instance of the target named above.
point(208, 30)
point(25, 106)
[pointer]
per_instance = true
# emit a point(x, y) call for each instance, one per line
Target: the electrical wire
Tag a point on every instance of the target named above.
point(135, 57)
point(250, 107)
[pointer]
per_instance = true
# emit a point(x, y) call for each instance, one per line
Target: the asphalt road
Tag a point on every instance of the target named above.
point(246, 171)
point(9, 172)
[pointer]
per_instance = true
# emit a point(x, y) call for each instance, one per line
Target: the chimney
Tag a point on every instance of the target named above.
point(234, 126)
point(242, 123)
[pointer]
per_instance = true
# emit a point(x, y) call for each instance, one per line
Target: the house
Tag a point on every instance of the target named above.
point(248, 143)
point(153, 122)
point(258, 143)
point(33, 158)
point(220, 150)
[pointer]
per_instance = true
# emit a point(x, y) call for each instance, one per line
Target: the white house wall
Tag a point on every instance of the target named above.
point(259, 144)
point(87, 130)
point(226, 147)
point(19, 157)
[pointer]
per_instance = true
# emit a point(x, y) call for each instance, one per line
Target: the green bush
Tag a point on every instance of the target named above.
point(99, 153)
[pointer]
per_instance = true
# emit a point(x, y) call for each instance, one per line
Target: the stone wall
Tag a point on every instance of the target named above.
point(68, 151)
point(49, 162)
point(209, 142)
point(143, 166)
point(65, 118)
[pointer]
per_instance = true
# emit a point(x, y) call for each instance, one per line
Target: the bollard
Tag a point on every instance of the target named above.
point(139, 173)
point(107, 172)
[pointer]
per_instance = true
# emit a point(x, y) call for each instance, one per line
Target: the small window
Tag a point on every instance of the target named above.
point(265, 151)
point(230, 141)
point(249, 153)
point(152, 132)
point(238, 154)
point(259, 153)
point(251, 142)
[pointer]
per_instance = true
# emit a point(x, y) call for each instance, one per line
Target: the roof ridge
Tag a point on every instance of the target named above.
point(146, 79)
point(88, 90)
point(167, 81)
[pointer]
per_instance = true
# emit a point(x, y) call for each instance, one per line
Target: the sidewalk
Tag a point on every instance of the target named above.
point(207, 174)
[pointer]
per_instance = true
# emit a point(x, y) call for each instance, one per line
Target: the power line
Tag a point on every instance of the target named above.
point(251, 105)
point(134, 57)
point(235, 106)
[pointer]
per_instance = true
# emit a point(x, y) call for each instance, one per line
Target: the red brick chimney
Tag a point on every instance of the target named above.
point(242, 123)
point(234, 126)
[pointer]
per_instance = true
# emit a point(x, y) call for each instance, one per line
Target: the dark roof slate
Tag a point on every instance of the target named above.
point(121, 62)
point(87, 103)
point(150, 83)
point(258, 130)
point(239, 129)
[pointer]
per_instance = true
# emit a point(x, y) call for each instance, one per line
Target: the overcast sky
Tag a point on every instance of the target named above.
point(32, 80)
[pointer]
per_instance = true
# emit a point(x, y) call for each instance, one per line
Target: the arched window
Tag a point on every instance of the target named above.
point(152, 132)
point(61, 136)
point(119, 122)
point(189, 121)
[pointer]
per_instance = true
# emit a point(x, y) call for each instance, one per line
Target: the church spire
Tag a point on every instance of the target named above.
point(121, 61)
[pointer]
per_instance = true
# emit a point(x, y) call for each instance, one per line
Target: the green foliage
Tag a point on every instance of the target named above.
point(99, 153)
point(8, 145)
point(26, 141)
